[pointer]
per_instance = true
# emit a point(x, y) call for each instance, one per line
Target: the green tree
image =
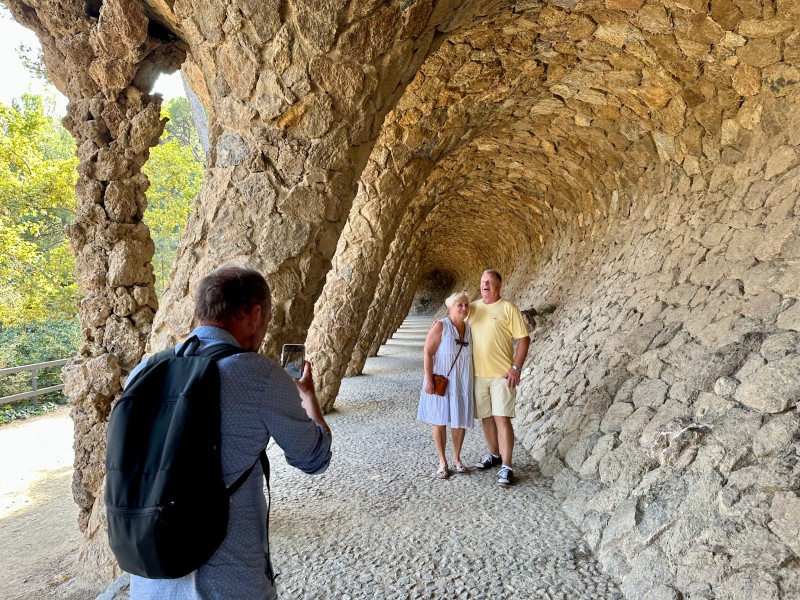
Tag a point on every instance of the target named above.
point(175, 170)
point(37, 198)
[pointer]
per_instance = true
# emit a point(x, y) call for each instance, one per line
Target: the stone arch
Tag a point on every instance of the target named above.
point(639, 190)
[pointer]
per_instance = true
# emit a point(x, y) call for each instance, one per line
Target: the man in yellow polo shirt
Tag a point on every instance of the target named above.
point(495, 324)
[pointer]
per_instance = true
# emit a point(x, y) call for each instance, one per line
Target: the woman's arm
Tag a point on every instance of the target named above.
point(431, 345)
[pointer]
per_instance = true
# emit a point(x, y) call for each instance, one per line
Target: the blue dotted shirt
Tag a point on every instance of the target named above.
point(258, 400)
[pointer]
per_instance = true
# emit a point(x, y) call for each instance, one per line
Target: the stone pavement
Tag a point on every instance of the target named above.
point(378, 524)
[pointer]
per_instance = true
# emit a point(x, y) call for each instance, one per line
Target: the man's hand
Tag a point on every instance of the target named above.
point(305, 386)
point(512, 378)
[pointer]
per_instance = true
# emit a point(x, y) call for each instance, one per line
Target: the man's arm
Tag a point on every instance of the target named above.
point(513, 374)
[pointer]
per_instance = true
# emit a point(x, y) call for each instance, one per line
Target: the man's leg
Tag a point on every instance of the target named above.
point(490, 433)
point(505, 436)
point(503, 409)
point(483, 411)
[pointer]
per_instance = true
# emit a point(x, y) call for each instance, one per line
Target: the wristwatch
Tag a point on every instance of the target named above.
point(516, 368)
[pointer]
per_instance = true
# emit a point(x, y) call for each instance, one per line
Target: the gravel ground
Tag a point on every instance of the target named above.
point(378, 524)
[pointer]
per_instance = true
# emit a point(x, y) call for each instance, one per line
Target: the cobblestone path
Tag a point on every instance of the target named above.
point(378, 524)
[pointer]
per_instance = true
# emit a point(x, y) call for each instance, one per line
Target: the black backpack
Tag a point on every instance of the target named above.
point(165, 497)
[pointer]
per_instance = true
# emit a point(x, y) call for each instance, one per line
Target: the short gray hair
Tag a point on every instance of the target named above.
point(495, 273)
point(450, 300)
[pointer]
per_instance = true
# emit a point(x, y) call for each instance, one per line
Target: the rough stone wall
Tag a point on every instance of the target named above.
point(662, 393)
point(431, 293)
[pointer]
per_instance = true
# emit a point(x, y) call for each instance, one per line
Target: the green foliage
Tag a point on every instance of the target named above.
point(29, 344)
point(181, 128)
point(24, 410)
point(38, 342)
point(176, 175)
point(37, 199)
point(33, 61)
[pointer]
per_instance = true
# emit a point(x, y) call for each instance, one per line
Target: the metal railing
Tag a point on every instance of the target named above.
point(35, 389)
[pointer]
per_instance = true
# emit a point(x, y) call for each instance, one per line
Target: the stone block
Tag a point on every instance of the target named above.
point(735, 429)
point(639, 339)
point(577, 499)
point(615, 417)
point(773, 474)
point(773, 388)
point(605, 444)
point(670, 411)
point(650, 393)
point(576, 455)
point(757, 547)
point(776, 434)
point(681, 392)
point(711, 407)
point(726, 386)
point(649, 569)
point(621, 523)
point(593, 525)
point(633, 426)
point(748, 585)
point(790, 318)
point(779, 345)
point(765, 306)
point(785, 524)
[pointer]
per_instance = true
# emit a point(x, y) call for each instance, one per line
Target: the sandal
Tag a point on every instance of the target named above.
point(442, 473)
point(459, 467)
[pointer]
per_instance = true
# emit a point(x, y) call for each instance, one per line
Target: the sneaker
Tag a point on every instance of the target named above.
point(488, 461)
point(505, 476)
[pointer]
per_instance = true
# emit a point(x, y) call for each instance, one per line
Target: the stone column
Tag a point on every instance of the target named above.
point(370, 323)
point(105, 62)
point(296, 103)
point(407, 277)
point(114, 250)
point(363, 247)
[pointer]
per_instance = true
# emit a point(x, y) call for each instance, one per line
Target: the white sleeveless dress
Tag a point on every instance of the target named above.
point(457, 407)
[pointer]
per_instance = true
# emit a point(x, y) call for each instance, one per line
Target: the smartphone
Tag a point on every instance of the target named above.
point(292, 358)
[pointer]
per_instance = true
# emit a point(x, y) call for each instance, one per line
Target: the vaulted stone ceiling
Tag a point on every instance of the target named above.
point(631, 161)
point(538, 120)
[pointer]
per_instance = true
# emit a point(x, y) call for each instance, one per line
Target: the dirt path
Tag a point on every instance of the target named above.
point(39, 535)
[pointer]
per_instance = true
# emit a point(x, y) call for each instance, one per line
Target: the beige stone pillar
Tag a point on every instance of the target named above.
point(407, 277)
point(105, 63)
point(296, 102)
point(368, 342)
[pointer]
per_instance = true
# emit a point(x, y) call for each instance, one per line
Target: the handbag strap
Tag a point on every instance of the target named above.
point(461, 345)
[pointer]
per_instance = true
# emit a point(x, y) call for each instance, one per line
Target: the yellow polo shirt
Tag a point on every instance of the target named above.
point(494, 328)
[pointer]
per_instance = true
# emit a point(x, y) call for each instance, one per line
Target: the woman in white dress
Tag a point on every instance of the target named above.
point(442, 357)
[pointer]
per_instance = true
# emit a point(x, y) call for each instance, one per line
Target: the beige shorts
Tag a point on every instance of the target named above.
point(493, 398)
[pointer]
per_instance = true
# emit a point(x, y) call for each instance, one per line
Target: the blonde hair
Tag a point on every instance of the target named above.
point(450, 300)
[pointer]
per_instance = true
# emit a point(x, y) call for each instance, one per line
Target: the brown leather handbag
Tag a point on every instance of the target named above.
point(440, 384)
point(440, 381)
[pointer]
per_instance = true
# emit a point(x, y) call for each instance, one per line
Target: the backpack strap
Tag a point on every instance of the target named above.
point(191, 347)
point(262, 457)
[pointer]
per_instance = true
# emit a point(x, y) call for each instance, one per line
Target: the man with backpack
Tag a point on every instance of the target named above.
point(258, 401)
